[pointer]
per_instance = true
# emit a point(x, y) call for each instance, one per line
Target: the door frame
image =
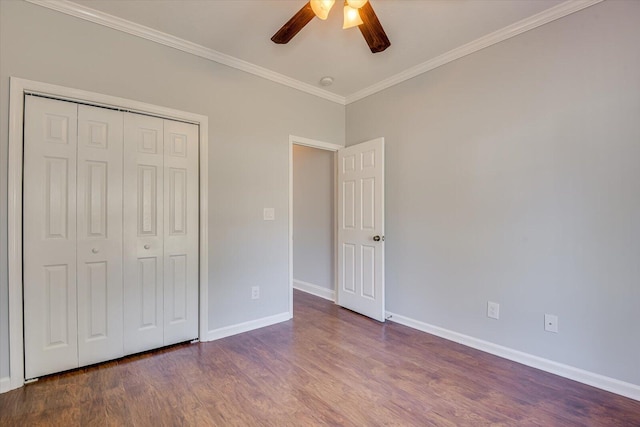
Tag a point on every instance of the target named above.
point(328, 146)
point(18, 89)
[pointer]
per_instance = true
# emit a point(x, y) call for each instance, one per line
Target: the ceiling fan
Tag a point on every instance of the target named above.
point(356, 13)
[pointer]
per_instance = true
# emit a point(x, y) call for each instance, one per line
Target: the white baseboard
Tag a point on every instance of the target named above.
point(5, 384)
point(227, 331)
point(310, 288)
point(613, 385)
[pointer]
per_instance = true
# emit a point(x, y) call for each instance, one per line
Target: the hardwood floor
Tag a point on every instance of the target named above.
point(328, 366)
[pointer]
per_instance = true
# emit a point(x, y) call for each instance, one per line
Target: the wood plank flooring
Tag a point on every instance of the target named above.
point(328, 366)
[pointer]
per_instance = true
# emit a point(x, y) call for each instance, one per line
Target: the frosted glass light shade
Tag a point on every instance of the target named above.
point(322, 7)
point(356, 4)
point(351, 17)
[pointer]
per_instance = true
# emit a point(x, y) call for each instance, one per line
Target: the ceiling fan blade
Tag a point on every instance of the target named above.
point(372, 30)
point(294, 25)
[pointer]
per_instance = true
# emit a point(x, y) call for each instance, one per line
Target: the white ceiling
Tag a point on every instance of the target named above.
point(419, 30)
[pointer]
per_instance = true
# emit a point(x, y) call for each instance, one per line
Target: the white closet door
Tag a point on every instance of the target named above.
point(49, 239)
point(99, 253)
point(180, 232)
point(143, 230)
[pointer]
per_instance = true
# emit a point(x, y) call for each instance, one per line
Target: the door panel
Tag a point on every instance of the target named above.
point(181, 232)
point(348, 205)
point(56, 204)
point(49, 236)
point(360, 219)
point(368, 258)
point(97, 304)
point(143, 228)
point(56, 288)
point(99, 228)
point(348, 279)
point(176, 308)
point(147, 287)
point(147, 206)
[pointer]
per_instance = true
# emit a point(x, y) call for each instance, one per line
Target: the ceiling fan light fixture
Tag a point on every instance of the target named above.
point(364, 18)
point(356, 4)
point(351, 17)
point(321, 7)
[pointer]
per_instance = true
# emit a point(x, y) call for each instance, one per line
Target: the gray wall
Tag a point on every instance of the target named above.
point(513, 175)
point(250, 120)
point(313, 212)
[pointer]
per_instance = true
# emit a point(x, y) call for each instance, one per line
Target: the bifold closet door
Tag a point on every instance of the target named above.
point(161, 232)
point(49, 236)
point(180, 232)
point(72, 250)
point(99, 234)
point(110, 240)
point(143, 230)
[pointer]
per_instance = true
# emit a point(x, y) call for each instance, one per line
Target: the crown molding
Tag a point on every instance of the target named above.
point(535, 21)
point(101, 18)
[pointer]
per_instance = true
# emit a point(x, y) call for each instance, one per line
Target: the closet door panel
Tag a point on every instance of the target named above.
point(180, 232)
point(143, 229)
point(49, 236)
point(99, 255)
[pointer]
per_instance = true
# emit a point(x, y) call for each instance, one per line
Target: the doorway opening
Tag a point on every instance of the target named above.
point(312, 218)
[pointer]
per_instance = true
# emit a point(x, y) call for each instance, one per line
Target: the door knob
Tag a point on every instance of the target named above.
point(378, 238)
point(95, 250)
point(147, 246)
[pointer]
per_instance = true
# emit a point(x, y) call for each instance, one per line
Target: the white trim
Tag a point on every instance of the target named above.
point(290, 240)
point(138, 30)
point(298, 140)
point(613, 385)
point(14, 221)
point(203, 279)
point(535, 21)
point(319, 291)
point(18, 87)
point(5, 384)
point(240, 328)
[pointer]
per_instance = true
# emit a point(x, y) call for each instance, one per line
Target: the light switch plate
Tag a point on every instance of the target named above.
point(269, 214)
point(493, 310)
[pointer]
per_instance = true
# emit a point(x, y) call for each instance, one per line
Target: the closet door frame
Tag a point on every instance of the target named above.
point(19, 88)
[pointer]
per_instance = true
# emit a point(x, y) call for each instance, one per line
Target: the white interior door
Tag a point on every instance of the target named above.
point(180, 232)
point(49, 236)
point(143, 230)
point(99, 234)
point(361, 228)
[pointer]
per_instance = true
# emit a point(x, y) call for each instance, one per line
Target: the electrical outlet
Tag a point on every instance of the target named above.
point(255, 292)
point(493, 310)
point(551, 323)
